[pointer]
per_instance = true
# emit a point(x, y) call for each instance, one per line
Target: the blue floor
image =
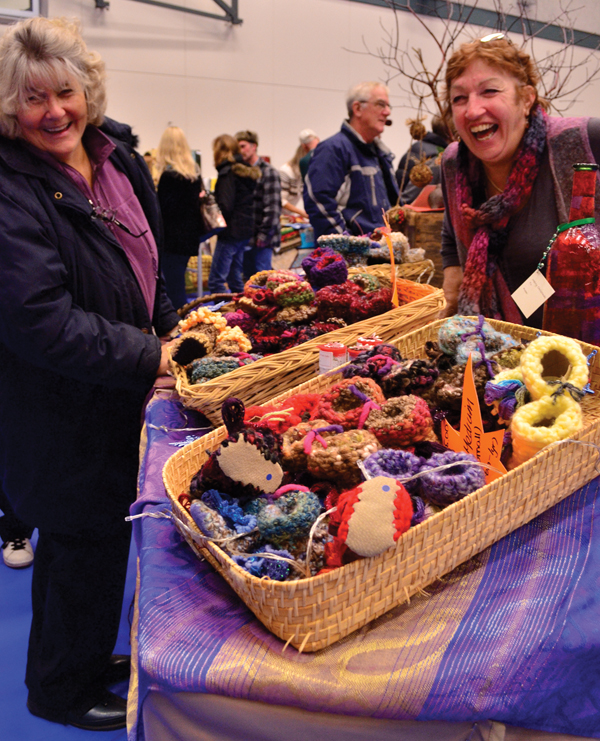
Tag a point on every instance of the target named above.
point(16, 723)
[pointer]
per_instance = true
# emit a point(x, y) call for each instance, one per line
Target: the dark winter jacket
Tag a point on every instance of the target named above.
point(348, 183)
point(234, 192)
point(431, 146)
point(180, 208)
point(78, 353)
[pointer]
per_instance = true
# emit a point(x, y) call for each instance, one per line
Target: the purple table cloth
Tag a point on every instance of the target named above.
point(513, 635)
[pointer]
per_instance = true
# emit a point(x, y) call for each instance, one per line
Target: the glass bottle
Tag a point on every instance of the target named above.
point(574, 265)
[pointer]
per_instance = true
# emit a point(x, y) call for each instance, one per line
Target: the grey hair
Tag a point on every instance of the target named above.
point(42, 51)
point(361, 92)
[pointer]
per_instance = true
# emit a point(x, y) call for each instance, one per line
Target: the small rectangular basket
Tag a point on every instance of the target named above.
point(260, 381)
point(315, 612)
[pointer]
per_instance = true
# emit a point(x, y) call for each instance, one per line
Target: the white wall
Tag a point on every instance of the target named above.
point(287, 67)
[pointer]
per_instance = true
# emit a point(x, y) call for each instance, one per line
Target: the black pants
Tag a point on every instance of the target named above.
point(11, 527)
point(77, 593)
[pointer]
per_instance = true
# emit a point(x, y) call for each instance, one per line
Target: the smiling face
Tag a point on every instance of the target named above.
point(53, 119)
point(490, 112)
point(368, 118)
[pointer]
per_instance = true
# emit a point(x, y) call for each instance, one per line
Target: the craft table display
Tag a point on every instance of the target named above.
point(511, 636)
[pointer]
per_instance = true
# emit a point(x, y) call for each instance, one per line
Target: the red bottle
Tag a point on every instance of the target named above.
point(574, 265)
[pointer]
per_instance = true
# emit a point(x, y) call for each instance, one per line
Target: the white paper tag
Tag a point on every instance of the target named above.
point(531, 294)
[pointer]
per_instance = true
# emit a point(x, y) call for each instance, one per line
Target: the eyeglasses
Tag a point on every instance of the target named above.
point(108, 216)
point(378, 103)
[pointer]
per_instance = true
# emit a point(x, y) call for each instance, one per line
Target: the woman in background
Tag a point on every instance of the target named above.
point(292, 181)
point(234, 192)
point(179, 187)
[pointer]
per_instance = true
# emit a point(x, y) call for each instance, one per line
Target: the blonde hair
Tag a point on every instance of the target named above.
point(174, 151)
point(224, 148)
point(294, 162)
point(40, 51)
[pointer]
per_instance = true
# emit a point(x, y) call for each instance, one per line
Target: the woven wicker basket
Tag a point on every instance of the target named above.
point(260, 381)
point(316, 612)
point(421, 272)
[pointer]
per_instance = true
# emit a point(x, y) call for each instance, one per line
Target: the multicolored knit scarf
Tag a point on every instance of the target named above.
point(484, 290)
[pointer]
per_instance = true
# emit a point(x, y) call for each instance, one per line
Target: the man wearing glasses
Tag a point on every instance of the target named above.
point(350, 178)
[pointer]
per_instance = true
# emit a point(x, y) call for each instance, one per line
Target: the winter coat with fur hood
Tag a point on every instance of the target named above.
point(234, 192)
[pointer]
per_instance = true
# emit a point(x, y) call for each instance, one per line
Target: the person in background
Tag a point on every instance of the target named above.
point(17, 551)
point(309, 141)
point(507, 184)
point(234, 192)
point(350, 177)
point(150, 160)
point(291, 178)
point(431, 146)
point(179, 188)
point(267, 207)
point(82, 308)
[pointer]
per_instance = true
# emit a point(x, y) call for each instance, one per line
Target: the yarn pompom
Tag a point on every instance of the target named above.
point(447, 486)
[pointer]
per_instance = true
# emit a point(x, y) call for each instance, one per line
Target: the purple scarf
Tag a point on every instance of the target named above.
point(484, 290)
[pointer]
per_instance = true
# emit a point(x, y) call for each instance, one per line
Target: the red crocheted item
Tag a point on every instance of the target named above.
point(351, 303)
point(340, 406)
point(401, 421)
point(280, 417)
point(369, 519)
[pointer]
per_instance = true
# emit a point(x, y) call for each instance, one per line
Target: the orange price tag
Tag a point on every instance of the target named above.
point(485, 446)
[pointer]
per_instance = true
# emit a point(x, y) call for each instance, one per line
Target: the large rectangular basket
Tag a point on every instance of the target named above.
point(260, 381)
point(316, 612)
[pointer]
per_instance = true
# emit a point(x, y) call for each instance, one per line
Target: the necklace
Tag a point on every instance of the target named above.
point(493, 184)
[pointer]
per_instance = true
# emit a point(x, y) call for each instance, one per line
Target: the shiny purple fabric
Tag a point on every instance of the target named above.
point(522, 645)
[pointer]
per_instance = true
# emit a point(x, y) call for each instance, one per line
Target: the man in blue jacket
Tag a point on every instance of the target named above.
point(350, 178)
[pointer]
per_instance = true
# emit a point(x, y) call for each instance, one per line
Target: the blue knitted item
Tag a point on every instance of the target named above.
point(396, 464)
point(259, 566)
point(448, 486)
point(230, 510)
point(289, 518)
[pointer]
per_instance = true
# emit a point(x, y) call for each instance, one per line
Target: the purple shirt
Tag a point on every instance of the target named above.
point(112, 195)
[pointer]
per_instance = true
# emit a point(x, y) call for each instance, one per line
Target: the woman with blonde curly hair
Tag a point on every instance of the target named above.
point(82, 308)
point(179, 187)
point(507, 182)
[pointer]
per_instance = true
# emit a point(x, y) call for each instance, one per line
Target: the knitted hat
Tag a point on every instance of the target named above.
point(246, 465)
point(194, 344)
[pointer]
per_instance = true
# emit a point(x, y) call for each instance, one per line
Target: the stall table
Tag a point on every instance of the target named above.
point(508, 641)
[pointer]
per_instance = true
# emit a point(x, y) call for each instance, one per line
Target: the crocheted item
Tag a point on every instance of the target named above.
point(266, 337)
point(409, 377)
point(246, 465)
point(261, 285)
point(261, 567)
point(400, 246)
point(280, 417)
point(483, 289)
point(539, 423)
point(344, 403)
point(447, 390)
point(297, 442)
point(293, 293)
point(192, 345)
point(351, 303)
point(235, 339)
point(230, 510)
point(254, 309)
point(204, 369)
point(396, 217)
point(459, 336)
point(289, 518)
point(240, 319)
point(325, 267)
point(505, 393)
point(367, 282)
point(401, 421)
point(396, 464)
point(337, 462)
point(200, 316)
point(554, 365)
point(296, 314)
point(450, 485)
point(372, 518)
point(214, 525)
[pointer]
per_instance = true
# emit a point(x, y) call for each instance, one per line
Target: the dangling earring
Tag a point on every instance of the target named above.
point(526, 121)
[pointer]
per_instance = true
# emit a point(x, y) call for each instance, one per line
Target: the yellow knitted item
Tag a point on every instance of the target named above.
point(235, 334)
point(202, 316)
point(539, 423)
point(553, 358)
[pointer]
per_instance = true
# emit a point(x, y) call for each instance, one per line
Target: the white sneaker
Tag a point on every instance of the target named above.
point(17, 553)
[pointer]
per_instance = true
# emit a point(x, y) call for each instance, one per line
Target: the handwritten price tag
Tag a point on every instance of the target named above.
point(485, 446)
